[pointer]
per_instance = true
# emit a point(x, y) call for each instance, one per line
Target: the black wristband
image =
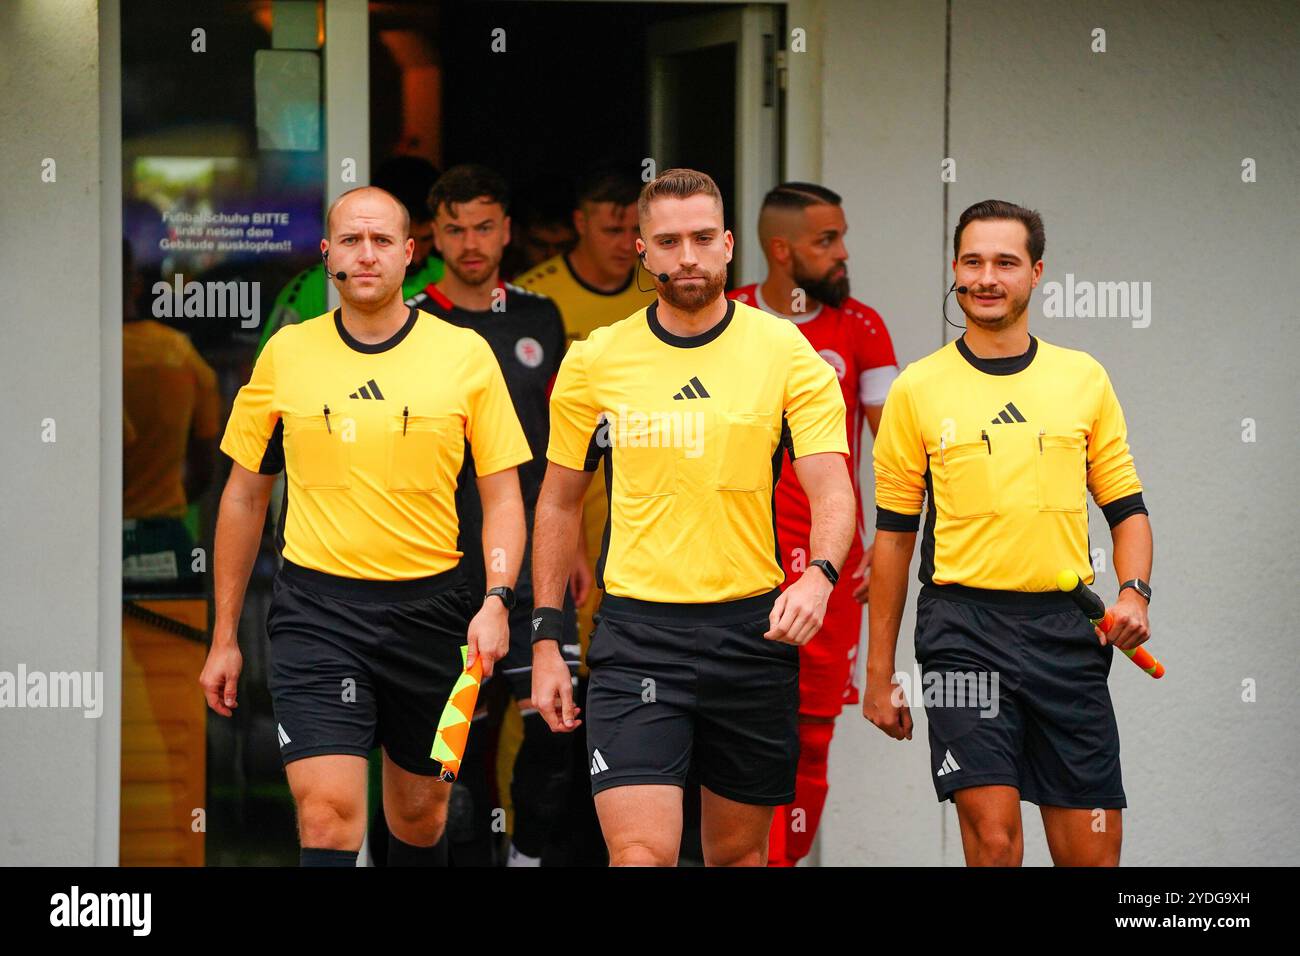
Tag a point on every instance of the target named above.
point(548, 624)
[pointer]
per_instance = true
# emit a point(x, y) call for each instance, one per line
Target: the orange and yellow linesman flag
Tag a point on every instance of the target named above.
point(1093, 606)
point(453, 726)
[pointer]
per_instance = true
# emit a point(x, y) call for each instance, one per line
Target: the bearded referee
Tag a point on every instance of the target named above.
point(1005, 434)
point(368, 411)
point(692, 403)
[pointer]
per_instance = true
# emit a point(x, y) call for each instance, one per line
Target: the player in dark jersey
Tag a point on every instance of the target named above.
point(526, 333)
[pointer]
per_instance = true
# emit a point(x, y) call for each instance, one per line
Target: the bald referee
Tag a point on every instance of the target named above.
point(692, 403)
point(1005, 434)
point(368, 411)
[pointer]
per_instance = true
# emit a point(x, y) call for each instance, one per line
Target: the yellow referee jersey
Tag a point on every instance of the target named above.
point(691, 431)
point(371, 438)
point(1004, 448)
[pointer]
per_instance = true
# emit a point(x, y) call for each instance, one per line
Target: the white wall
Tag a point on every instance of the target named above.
point(53, 566)
point(1133, 156)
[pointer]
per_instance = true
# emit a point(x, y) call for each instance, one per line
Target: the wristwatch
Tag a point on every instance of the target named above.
point(1138, 585)
point(827, 569)
point(507, 596)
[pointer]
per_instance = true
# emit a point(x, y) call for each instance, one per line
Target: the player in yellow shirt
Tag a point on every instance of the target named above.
point(368, 410)
point(1005, 434)
point(691, 404)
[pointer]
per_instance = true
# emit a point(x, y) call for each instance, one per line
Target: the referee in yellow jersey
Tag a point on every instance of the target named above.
point(691, 403)
point(368, 410)
point(1005, 434)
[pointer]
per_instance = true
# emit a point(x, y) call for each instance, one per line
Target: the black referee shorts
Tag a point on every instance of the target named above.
point(1015, 693)
point(681, 687)
point(354, 663)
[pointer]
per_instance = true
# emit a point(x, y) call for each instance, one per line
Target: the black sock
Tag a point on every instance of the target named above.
point(403, 854)
point(314, 856)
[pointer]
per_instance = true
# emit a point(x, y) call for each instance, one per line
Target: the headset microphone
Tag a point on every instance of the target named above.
point(960, 290)
point(661, 276)
point(341, 276)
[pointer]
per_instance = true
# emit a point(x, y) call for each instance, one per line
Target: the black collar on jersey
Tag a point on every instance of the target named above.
point(1005, 365)
point(591, 288)
point(372, 348)
point(687, 341)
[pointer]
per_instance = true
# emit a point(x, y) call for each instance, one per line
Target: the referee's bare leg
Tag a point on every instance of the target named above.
point(642, 824)
point(330, 794)
point(992, 833)
point(415, 806)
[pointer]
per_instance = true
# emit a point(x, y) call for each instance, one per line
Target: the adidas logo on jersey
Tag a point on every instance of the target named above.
point(949, 764)
point(688, 392)
point(597, 763)
point(369, 390)
point(1008, 415)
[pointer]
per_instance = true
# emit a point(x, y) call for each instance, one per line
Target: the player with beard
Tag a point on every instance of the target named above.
point(1005, 434)
point(471, 230)
point(692, 404)
point(802, 227)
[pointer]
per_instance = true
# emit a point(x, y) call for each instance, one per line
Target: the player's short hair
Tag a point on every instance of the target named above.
point(406, 214)
point(677, 184)
point(465, 183)
point(610, 184)
point(796, 195)
point(1001, 209)
point(409, 179)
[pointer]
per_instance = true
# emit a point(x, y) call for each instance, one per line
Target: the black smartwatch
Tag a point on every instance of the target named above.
point(507, 596)
point(1138, 585)
point(827, 569)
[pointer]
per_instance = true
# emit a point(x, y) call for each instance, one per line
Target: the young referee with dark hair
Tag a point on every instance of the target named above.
point(368, 410)
point(470, 206)
point(692, 403)
point(1005, 434)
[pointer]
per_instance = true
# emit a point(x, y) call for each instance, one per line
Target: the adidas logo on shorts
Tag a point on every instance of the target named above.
point(597, 763)
point(949, 764)
point(279, 732)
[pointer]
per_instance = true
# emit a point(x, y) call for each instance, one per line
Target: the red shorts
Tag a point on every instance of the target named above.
point(827, 662)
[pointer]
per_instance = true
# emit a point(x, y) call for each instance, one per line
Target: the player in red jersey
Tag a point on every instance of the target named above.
point(802, 228)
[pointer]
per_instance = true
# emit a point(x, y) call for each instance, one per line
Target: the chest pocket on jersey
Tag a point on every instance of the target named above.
point(645, 463)
point(1062, 473)
point(420, 448)
point(315, 453)
point(963, 483)
point(744, 451)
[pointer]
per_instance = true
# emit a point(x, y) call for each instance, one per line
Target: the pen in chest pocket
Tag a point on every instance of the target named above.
point(327, 421)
